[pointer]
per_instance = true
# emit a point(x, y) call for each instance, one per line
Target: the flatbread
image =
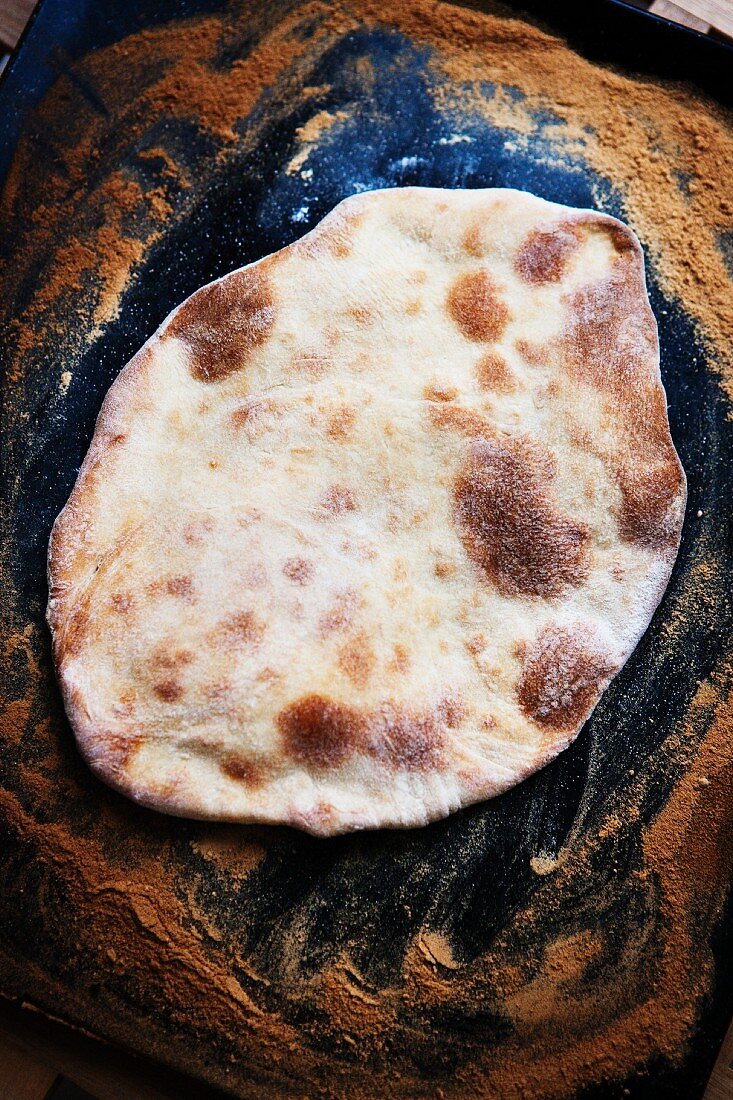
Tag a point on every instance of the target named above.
point(367, 527)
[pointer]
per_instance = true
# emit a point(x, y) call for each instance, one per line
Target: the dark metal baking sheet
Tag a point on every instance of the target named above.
point(368, 896)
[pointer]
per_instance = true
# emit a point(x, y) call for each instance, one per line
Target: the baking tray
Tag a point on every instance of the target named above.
point(571, 938)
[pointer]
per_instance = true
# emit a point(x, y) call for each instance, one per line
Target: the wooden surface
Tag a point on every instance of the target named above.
point(669, 10)
point(38, 1054)
point(23, 1076)
point(720, 1086)
point(704, 16)
point(717, 13)
point(14, 14)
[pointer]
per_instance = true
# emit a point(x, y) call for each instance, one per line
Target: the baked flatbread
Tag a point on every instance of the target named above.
point(367, 527)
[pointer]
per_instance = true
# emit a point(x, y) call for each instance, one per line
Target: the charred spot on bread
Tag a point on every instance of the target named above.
point(509, 524)
point(494, 374)
point(319, 732)
point(241, 769)
point(224, 323)
point(475, 304)
point(544, 254)
point(169, 690)
point(564, 672)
